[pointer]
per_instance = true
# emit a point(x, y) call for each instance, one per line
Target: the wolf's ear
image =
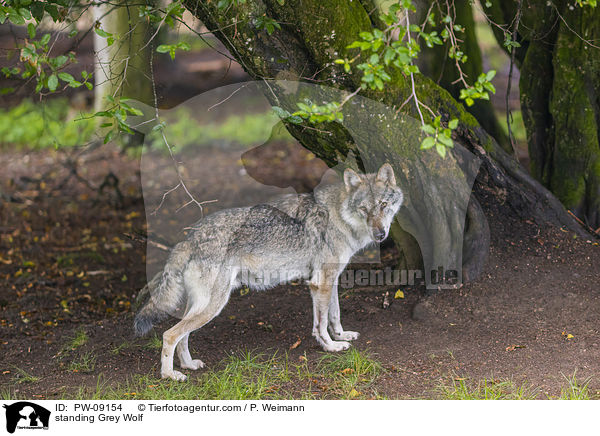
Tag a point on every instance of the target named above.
point(351, 179)
point(386, 174)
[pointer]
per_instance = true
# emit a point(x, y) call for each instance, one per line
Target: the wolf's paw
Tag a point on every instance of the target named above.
point(337, 346)
point(346, 335)
point(175, 375)
point(193, 364)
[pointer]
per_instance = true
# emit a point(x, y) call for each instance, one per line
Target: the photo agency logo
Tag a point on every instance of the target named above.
point(25, 415)
point(230, 148)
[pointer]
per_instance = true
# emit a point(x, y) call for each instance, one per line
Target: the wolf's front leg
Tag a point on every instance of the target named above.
point(321, 297)
point(335, 325)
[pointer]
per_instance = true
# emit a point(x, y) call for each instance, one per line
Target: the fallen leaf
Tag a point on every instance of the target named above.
point(295, 344)
point(353, 393)
point(514, 347)
point(399, 294)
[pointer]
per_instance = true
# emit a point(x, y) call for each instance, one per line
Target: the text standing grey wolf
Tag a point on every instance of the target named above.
point(310, 236)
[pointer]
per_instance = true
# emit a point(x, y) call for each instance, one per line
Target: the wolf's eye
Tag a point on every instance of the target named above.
point(384, 204)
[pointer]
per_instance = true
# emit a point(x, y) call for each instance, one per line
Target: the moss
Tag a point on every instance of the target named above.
point(574, 108)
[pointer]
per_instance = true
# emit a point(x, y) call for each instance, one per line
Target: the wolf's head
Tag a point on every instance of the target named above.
point(373, 200)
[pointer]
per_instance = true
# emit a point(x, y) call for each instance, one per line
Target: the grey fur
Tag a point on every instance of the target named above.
point(309, 236)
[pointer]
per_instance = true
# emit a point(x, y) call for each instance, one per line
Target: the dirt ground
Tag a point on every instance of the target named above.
point(67, 263)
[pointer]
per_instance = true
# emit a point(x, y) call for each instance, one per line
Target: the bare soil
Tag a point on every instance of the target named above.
point(66, 263)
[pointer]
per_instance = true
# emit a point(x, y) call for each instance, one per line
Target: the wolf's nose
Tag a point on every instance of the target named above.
point(379, 235)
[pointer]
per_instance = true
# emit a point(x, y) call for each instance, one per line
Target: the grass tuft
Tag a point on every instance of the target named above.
point(458, 388)
point(244, 376)
point(86, 362)
point(79, 339)
point(576, 389)
point(23, 376)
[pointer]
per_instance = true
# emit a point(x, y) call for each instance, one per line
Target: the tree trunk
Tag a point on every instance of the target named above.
point(559, 60)
point(312, 35)
point(121, 67)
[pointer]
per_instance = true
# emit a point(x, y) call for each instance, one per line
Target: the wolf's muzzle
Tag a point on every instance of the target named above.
point(379, 235)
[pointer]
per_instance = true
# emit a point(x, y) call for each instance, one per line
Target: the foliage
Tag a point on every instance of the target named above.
point(34, 125)
point(236, 130)
point(267, 23)
point(381, 51)
point(172, 48)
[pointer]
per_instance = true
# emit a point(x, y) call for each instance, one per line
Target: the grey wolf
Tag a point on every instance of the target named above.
point(310, 236)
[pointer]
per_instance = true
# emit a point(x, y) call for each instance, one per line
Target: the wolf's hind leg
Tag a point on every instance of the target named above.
point(185, 359)
point(193, 320)
point(335, 325)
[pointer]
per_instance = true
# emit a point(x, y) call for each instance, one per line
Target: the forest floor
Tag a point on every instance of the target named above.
point(69, 274)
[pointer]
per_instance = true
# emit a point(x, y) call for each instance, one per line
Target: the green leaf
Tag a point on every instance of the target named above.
point(53, 11)
point(66, 77)
point(37, 11)
point(429, 129)
point(24, 12)
point(453, 124)
point(31, 30)
point(445, 140)
point(102, 33)
point(427, 143)
point(355, 44)
point(367, 36)
point(52, 82)
point(109, 136)
point(163, 48)
point(441, 150)
point(45, 39)
point(16, 19)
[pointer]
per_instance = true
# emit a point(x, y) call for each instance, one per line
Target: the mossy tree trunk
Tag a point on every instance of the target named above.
point(122, 61)
point(559, 60)
point(313, 34)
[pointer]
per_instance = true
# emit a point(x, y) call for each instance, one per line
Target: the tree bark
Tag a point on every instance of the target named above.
point(121, 67)
point(312, 35)
point(560, 88)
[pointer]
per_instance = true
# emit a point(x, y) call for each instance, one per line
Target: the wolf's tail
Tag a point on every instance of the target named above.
point(166, 293)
